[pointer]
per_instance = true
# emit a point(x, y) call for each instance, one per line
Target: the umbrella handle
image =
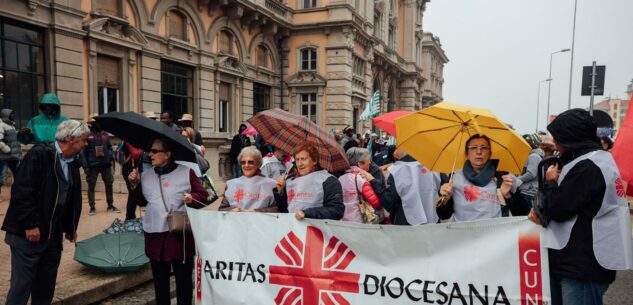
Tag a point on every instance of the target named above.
point(443, 199)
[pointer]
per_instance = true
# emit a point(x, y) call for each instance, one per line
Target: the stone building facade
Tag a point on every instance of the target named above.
point(220, 60)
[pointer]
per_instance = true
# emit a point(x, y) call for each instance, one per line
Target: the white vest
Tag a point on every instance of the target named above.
point(352, 186)
point(418, 189)
point(250, 192)
point(471, 202)
point(611, 227)
point(175, 184)
point(306, 191)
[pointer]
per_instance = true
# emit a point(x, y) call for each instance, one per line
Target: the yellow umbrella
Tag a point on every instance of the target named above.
point(436, 137)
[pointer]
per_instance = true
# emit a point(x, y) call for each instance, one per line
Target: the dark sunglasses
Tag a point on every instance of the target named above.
point(155, 151)
point(249, 162)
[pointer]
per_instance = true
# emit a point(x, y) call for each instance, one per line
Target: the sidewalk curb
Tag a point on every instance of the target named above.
point(97, 286)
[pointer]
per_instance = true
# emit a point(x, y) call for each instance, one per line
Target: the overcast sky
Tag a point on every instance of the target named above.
point(500, 49)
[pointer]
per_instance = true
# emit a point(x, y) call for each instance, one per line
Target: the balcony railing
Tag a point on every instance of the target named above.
point(278, 8)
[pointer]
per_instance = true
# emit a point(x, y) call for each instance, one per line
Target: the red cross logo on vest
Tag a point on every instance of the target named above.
point(239, 195)
point(471, 193)
point(291, 195)
point(314, 273)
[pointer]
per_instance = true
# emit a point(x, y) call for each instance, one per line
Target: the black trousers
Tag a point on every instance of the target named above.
point(184, 281)
point(33, 270)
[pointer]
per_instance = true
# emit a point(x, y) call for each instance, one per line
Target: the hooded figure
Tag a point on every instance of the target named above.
point(42, 128)
point(10, 148)
point(589, 233)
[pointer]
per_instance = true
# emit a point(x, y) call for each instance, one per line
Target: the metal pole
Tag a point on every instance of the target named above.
point(538, 102)
point(549, 86)
point(593, 86)
point(571, 65)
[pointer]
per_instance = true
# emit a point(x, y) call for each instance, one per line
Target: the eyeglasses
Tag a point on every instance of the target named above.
point(478, 149)
point(249, 162)
point(155, 151)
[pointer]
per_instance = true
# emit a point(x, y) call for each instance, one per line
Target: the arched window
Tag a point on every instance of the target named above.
point(263, 57)
point(177, 25)
point(225, 42)
point(308, 59)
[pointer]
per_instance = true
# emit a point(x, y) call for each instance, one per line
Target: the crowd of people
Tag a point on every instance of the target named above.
point(383, 185)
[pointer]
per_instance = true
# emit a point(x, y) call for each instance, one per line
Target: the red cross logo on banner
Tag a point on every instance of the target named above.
point(313, 273)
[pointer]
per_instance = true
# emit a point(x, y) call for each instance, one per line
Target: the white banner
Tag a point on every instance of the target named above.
point(256, 258)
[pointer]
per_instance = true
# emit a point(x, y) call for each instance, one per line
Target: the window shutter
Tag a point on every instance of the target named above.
point(176, 25)
point(224, 92)
point(108, 72)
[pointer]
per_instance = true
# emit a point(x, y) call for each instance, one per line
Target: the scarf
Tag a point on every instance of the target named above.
point(166, 169)
point(484, 176)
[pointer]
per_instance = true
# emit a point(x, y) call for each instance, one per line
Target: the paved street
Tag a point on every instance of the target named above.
point(88, 226)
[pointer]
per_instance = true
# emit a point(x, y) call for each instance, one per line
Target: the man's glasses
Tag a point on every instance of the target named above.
point(155, 151)
point(249, 162)
point(478, 148)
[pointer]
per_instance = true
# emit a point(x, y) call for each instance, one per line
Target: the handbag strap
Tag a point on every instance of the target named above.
point(358, 192)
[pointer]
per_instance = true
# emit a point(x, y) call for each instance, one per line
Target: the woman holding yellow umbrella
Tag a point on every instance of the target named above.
point(446, 136)
point(479, 191)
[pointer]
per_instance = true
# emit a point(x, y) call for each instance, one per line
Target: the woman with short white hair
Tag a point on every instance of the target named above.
point(252, 192)
point(354, 185)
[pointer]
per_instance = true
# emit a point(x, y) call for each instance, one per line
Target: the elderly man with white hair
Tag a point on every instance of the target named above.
point(45, 205)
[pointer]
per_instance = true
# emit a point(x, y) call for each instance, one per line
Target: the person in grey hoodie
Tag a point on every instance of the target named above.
point(529, 185)
point(10, 149)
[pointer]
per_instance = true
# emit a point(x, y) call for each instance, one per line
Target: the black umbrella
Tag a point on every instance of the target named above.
point(141, 132)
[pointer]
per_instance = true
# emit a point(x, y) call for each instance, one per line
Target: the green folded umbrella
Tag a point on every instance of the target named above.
point(113, 253)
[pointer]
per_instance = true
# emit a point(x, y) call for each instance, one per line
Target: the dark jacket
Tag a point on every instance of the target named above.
point(333, 206)
point(239, 142)
point(376, 171)
point(89, 157)
point(34, 196)
point(579, 194)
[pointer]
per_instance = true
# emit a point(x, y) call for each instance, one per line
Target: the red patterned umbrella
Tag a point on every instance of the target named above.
point(285, 131)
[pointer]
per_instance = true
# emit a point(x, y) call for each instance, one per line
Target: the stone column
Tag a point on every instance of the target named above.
point(68, 75)
point(339, 80)
point(408, 88)
point(150, 83)
point(206, 118)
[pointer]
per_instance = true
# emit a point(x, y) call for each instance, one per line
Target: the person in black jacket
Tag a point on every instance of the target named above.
point(589, 229)
point(45, 205)
point(96, 160)
point(312, 192)
point(239, 141)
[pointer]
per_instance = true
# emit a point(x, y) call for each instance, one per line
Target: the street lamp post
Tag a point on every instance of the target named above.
point(571, 64)
point(549, 86)
point(538, 101)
